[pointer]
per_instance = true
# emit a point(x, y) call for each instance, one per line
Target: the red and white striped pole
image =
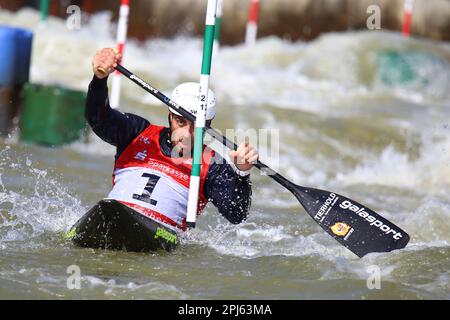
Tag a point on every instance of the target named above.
point(121, 40)
point(252, 25)
point(407, 17)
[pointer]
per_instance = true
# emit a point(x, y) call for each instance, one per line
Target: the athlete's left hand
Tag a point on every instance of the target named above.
point(244, 157)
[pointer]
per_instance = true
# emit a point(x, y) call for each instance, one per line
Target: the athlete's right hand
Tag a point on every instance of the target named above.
point(105, 61)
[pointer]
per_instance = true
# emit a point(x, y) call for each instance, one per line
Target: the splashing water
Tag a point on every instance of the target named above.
point(32, 204)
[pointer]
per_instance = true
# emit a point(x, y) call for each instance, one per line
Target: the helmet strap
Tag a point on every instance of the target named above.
point(169, 117)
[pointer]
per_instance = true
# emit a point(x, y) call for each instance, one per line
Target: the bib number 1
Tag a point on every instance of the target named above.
point(148, 190)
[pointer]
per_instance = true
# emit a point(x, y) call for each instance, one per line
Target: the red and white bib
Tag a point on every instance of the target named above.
point(154, 184)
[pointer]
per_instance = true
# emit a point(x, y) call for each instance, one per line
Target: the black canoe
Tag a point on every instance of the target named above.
point(112, 225)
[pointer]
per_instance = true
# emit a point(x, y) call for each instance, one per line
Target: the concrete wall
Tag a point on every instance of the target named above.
point(290, 19)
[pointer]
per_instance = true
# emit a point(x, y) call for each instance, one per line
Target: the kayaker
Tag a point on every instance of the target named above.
point(153, 163)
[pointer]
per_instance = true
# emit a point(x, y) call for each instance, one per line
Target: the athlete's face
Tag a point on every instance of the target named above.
point(182, 135)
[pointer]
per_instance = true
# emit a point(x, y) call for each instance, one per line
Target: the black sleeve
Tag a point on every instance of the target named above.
point(228, 191)
point(112, 126)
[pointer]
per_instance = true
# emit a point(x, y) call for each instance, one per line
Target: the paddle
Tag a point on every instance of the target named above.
point(353, 225)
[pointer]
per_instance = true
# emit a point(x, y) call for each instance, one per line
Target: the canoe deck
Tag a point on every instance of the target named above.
point(114, 226)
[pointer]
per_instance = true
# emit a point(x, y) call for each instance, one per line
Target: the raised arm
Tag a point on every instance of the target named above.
point(112, 126)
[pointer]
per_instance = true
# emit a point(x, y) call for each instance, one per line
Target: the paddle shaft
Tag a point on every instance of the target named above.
point(353, 225)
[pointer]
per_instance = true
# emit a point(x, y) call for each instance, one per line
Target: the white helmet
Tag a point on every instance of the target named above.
point(187, 96)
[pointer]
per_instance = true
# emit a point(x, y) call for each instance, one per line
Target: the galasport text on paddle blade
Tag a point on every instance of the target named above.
point(355, 226)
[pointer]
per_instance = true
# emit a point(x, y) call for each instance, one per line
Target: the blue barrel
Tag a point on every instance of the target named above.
point(7, 56)
point(15, 55)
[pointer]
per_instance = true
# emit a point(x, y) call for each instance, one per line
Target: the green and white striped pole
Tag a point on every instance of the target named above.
point(44, 10)
point(200, 123)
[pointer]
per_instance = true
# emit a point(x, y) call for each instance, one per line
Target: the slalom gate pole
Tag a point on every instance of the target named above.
point(200, 122)
point(252, 25)
point(407, 17)
point(121, 40)
point(45, 4)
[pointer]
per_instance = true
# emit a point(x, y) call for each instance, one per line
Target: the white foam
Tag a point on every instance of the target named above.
point(46, 207)
point(112, 288)
point(430, 172)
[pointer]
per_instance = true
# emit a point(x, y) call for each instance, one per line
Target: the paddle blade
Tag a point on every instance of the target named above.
point(355, 226)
